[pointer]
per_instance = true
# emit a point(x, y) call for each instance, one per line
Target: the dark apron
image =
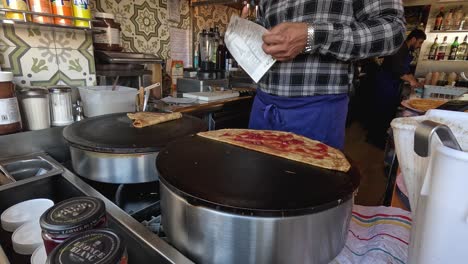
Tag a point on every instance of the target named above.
point(321, 117)
point(387, 99)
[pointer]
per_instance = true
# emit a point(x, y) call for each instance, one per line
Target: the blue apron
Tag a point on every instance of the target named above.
point(321, 117)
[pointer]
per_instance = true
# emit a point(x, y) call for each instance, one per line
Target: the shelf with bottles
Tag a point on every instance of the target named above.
point(454, 20)
point(24, 18)
point(448, 52)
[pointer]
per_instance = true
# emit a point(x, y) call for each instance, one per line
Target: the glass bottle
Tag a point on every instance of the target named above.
point(453, 49)
point(448, 20)
point(439, 19)
point(442, 49)
point(462, 49)
point(433, 50)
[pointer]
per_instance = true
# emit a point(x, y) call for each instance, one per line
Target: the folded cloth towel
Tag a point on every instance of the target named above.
point(377, 235)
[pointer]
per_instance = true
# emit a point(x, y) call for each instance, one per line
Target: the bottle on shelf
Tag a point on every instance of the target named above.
point(428, 78)
point(442, 80)
point(433, 50)
point(458, 16)
point(221, 55)
point(462, 52)
point(452, 79)
point(441, 51)
point(454, 49)
point(435, 78)
point(448, 20)
point(439, 19)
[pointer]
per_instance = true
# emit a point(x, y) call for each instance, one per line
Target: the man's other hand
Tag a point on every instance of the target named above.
point(285, 41)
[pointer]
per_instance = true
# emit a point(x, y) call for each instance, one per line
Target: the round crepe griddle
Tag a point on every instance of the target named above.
point(115, 133)
point(233, 179)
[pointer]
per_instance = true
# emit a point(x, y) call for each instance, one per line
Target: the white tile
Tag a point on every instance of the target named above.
point(75, 67)
point(35, 37)
point(39, 65)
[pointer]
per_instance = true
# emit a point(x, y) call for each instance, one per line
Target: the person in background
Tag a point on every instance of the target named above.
point(315, 44)
point(395, 70)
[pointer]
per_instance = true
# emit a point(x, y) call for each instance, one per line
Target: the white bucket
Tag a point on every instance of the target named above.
point(412, 166)
point(101, 100)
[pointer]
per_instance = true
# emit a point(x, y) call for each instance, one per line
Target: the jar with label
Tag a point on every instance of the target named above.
point(61, 107)
point(81, 9)
point(71, 217)
point(41, 6)
point(62, 8)
point(102, 246)
point(18, 5)
point(109, 38)
point(10, 119)
point(34, 102)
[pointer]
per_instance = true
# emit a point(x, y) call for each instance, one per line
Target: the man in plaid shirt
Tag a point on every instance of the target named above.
point(315, 43)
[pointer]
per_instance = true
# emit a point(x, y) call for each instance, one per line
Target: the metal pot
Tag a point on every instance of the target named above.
point(231, 205)
point(109, 149)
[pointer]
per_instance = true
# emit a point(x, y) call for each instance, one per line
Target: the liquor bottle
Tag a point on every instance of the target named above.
point(454, 49)
point(439, 19)
point(448, 20)
point(462, 52)
point(221, 56)
point(442, 49)
point(433, 50)
point(458, 17)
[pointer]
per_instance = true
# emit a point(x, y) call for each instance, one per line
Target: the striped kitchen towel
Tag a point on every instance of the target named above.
point(377, 235)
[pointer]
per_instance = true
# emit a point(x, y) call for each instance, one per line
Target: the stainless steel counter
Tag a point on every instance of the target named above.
point(143, 246)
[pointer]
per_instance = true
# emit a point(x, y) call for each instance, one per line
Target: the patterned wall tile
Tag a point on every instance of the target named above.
point(37, 64)
point(34, 37)
point(75, 70)
point(73, 40)
point(206, 17)
point(144, 23)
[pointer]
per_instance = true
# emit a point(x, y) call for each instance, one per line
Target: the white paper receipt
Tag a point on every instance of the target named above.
point(244, 40)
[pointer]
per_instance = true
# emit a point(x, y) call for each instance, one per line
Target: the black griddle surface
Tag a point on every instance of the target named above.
point(234, 179)
point(115, 133)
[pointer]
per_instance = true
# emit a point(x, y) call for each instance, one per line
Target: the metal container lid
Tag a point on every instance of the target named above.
point(236, 180)
point(59, 89)
point(73, 215)
point(6, 76)
point(33, 91)
point(115, 133)
point(101, 246)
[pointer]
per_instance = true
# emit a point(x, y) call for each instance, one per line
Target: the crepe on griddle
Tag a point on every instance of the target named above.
point(144, 119)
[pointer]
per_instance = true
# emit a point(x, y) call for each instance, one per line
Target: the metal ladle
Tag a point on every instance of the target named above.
point(423, 136)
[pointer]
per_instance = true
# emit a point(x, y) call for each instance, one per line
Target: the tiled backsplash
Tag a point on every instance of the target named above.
point(144, 23)
point(40, 56)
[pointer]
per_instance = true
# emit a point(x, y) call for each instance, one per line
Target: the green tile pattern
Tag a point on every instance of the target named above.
point(40, 56)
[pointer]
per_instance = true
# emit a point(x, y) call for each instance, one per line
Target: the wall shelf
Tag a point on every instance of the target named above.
point(448, 31)
point(29, 24)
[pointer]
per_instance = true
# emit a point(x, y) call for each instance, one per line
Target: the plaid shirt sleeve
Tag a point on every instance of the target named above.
point(378, 30)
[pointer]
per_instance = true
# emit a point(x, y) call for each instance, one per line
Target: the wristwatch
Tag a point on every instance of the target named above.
point(310, 38)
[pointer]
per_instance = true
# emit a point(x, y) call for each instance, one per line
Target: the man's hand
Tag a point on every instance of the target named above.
point(285, 41)
point(416, 84)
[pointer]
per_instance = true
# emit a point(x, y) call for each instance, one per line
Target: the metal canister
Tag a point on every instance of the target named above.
point(81, 9)
point(34, 102)
point(61, 111)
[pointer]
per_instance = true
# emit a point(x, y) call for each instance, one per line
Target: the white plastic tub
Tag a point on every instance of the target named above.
point(101, 100)
point(414, 167)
